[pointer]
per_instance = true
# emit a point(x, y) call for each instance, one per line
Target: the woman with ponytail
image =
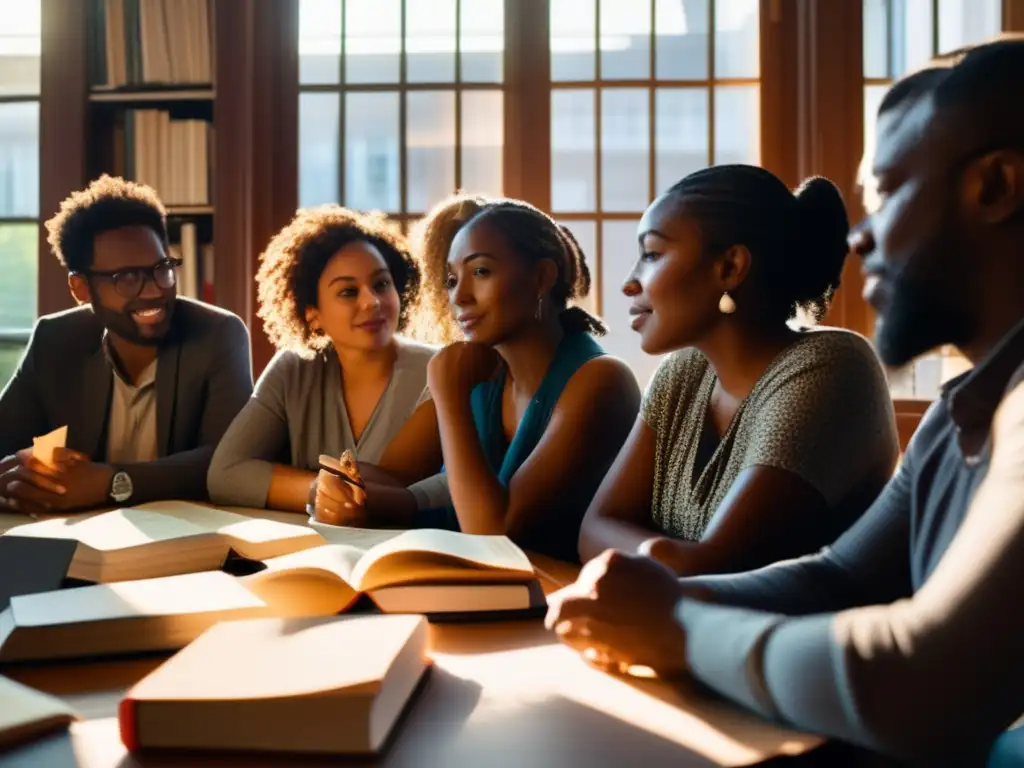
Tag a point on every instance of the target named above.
point(757, 440)
point(530, 410)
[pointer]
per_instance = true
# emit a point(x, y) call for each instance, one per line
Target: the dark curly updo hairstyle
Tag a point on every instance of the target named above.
point(291, 266)
point(530, 232)
point(797, 240)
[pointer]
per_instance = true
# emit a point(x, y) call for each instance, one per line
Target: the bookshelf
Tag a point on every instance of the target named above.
point(239, 90)
point(151, 117)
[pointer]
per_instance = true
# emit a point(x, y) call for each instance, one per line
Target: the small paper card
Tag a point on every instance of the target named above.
point(43, 447)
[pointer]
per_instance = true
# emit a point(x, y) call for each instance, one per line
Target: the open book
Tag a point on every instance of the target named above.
point(334, 685)
point(26, 713)
point(166, 538)
point(433, 572)
point(420, 571)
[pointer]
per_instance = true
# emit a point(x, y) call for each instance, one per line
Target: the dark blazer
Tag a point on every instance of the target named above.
point(203, 378)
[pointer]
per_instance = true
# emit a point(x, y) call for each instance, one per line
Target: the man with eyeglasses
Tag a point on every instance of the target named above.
point(146, 382)
point(906, 636)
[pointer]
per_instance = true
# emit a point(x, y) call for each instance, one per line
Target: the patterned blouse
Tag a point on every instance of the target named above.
point(821, 410)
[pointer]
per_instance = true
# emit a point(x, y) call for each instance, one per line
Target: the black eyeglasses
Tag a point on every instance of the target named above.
point(130, 282)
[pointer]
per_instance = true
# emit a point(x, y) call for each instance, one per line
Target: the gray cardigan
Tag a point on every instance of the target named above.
point(297, 412)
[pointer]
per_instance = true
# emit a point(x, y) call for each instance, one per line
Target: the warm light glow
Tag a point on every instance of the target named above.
point(553, 676)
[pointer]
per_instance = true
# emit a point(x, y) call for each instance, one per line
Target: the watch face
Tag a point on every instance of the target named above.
point(121, 487)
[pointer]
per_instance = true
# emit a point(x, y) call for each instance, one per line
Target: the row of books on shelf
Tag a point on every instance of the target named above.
point(142, 42)
point(175, 157)
point(195, 278)
point(159, 578)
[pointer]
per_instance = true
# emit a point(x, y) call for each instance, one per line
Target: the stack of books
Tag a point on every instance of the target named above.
point(270, 641)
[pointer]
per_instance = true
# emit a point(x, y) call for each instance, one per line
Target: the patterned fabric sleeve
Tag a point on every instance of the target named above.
point(825, 414)
point(662, 395)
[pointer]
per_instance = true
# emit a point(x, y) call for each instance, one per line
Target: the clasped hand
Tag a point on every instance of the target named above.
point(336, 501)
point(620, 613)
point(456, 369)
point(30, 487)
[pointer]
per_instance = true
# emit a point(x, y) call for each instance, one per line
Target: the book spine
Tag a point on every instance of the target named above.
point(127, 724)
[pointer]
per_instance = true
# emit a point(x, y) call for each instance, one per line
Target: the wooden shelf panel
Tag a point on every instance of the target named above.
point(189, 210)
point(161, 96)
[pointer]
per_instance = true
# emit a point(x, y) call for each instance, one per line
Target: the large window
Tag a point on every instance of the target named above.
point(401, 102)
point(899, 36)
point(643, 93)
point(19, 177)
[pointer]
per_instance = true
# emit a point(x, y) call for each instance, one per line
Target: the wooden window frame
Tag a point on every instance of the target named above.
point(402, 87)
point(528, 101)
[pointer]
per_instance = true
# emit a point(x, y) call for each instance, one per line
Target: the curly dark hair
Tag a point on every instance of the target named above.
point(291, 266)
point(109, 202)
point(529, 231)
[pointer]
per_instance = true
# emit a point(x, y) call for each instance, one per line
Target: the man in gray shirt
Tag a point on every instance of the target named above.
point(145, 382)
point(906, 635)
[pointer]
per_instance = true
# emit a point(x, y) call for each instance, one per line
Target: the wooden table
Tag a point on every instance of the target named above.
point(499, 694)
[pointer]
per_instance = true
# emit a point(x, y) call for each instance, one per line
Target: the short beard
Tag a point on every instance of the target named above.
point(915, 323)
point(121, 324)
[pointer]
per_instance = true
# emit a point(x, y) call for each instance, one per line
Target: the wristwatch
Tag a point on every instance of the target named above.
point(121, 487)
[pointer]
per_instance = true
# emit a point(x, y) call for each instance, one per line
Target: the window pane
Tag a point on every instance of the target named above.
point(483, 138)
point(319, 41)
point(876, 37)
point(10, 356)
point(19, 47)
point(737, 124)
point(625, 39)
point(873, 95)
point(924, 378)
point(373, 32)
point(430, 41)
point(737, 38)
point(681, 133)
point(319, 133)
point(19, 248)
point(430, 147)
point(585, 233)
point(573, 150)
point(573, 39)
point(962, 23)
point(911, 35)
point(619, 254)
point(625, 139)
point(371, 151)
point(682, 45)
point(19, 159)
point(483, 40)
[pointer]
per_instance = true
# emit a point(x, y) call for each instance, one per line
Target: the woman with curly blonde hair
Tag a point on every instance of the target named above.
point(335, 287)
point(531, 410)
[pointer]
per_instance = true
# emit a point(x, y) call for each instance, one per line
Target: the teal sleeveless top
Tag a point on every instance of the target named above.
point(558, 540)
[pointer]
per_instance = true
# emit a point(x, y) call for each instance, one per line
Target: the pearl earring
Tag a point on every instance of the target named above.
point(540, 308)
point(726, 304)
